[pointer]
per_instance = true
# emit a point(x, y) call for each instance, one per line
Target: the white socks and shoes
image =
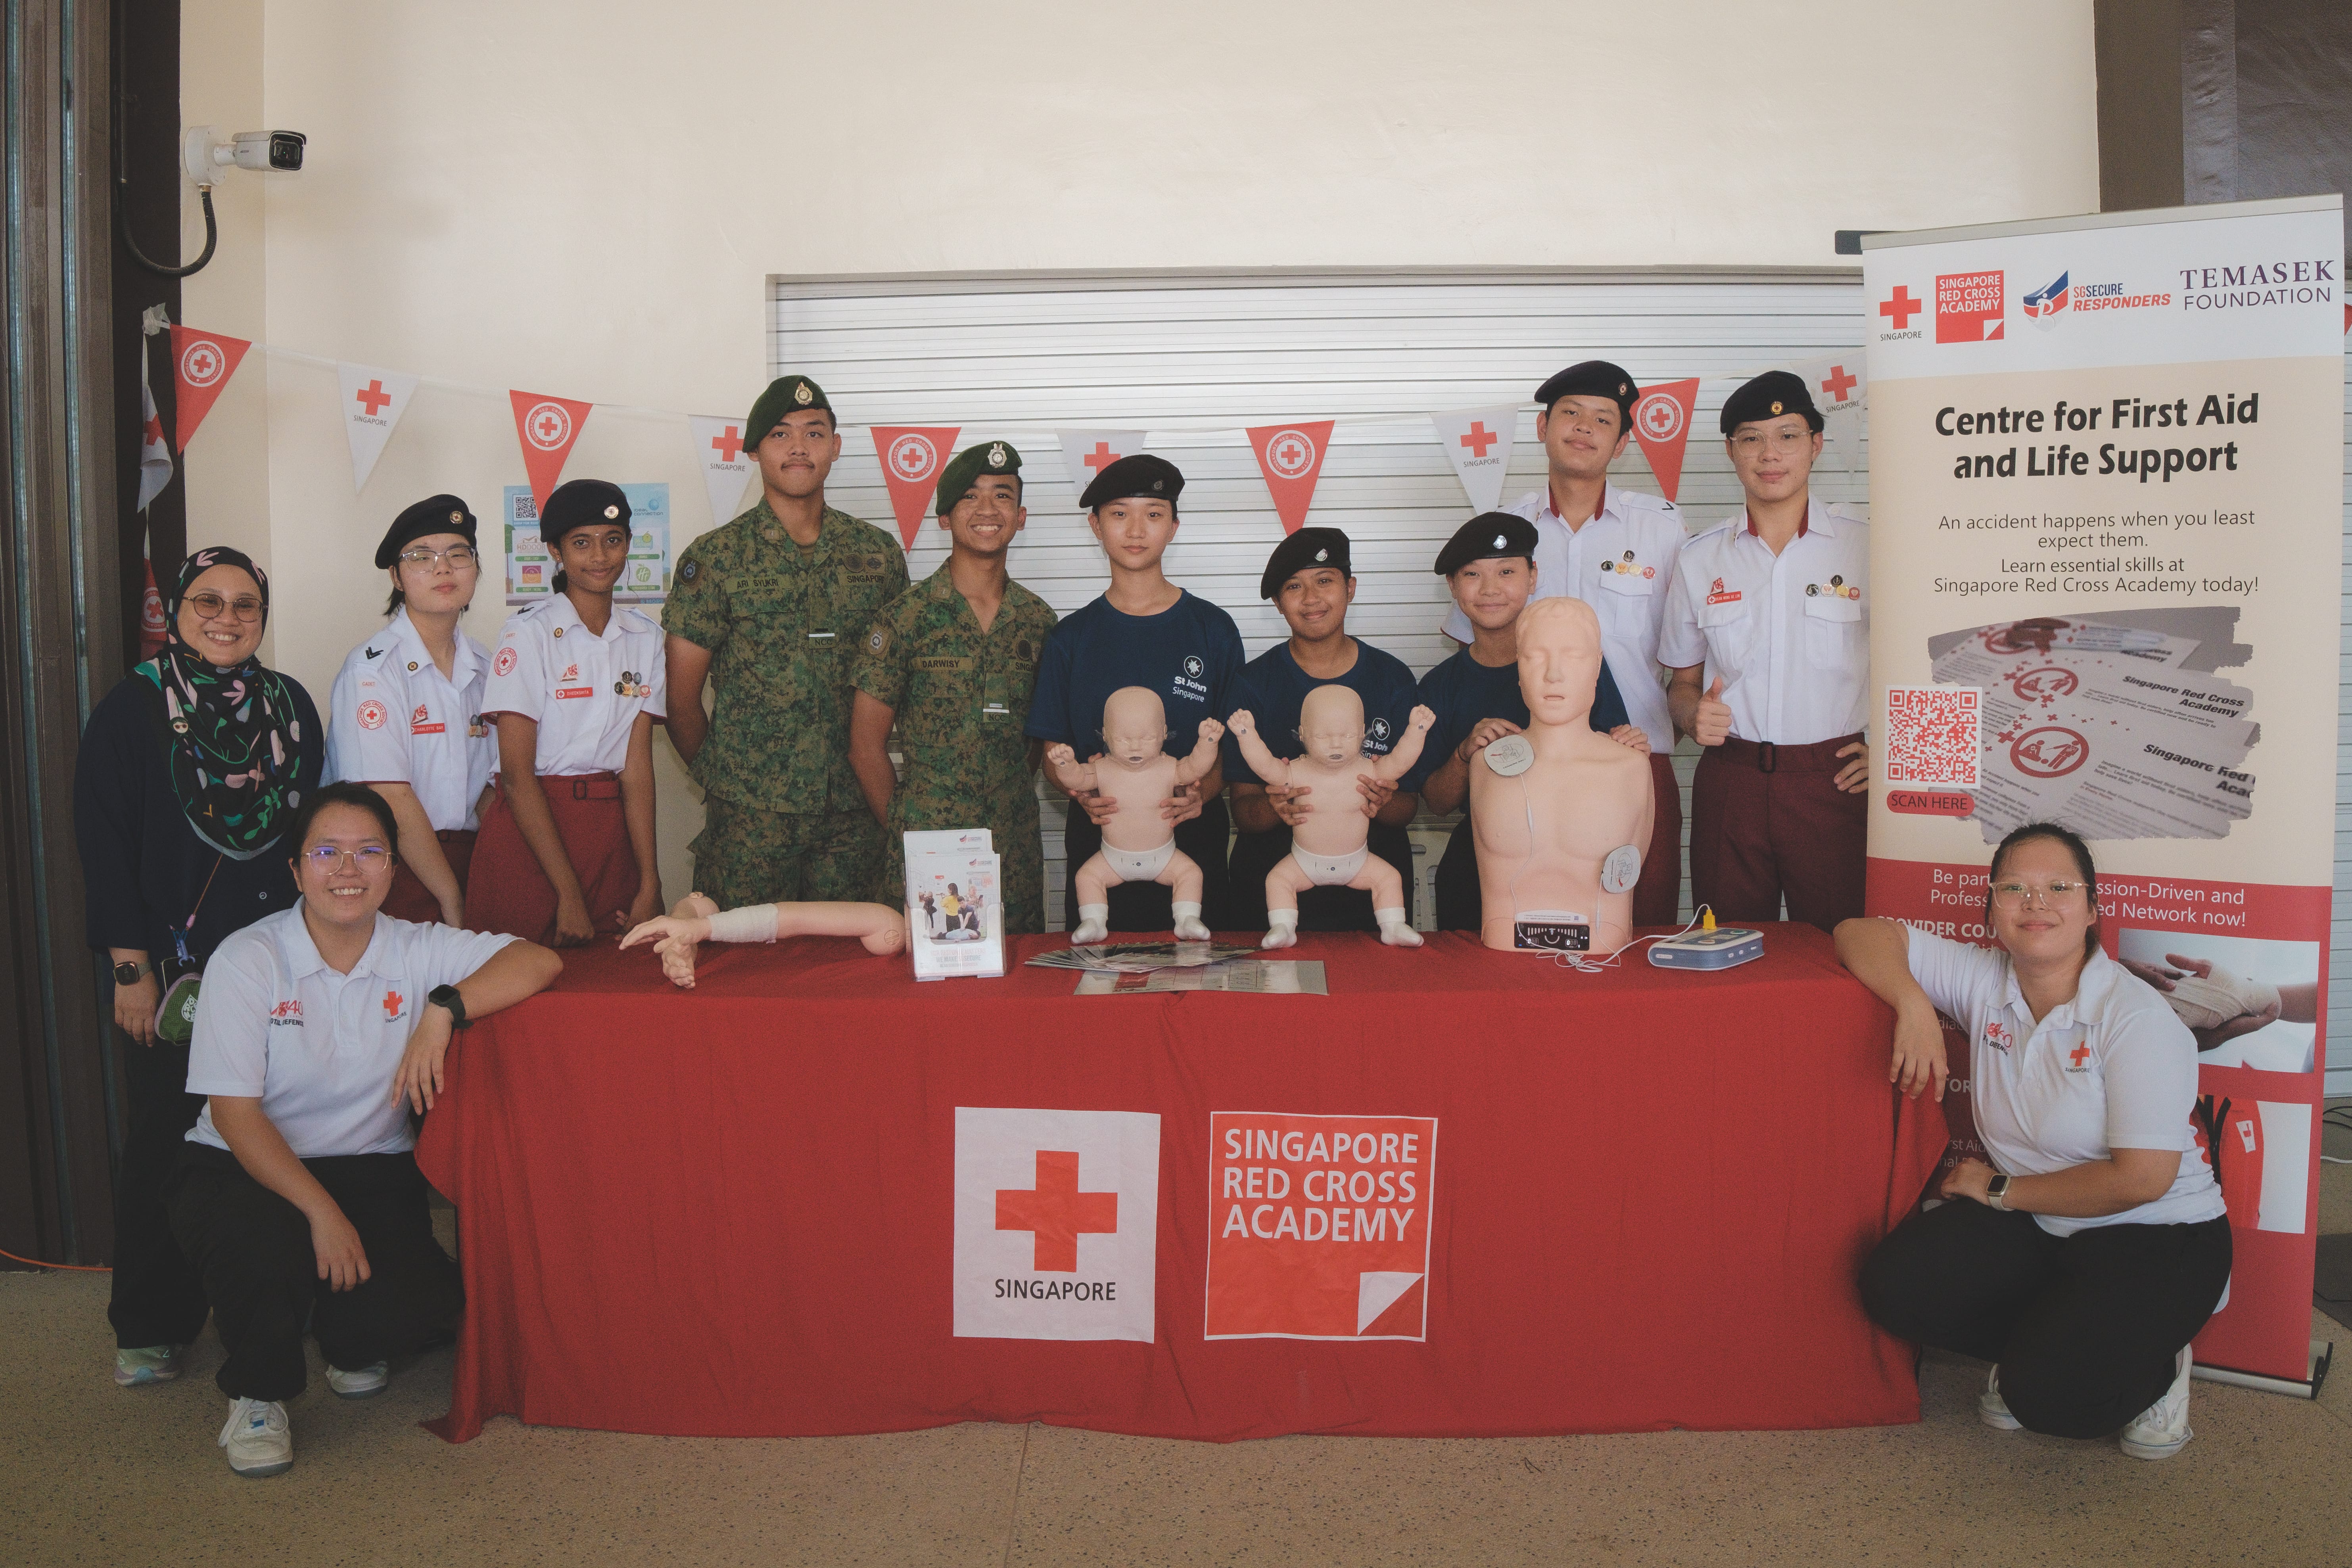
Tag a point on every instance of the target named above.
point(258, 1440)
point(1993, 1410)
point(2162, 1429)
point(360, 1383)
point(1281, 929)
point(1094, 924)
point(1395, 930)
point(1187, 922)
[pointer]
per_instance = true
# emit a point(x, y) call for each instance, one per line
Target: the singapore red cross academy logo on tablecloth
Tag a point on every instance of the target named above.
point(1318, 1226)
point(1056, 1224)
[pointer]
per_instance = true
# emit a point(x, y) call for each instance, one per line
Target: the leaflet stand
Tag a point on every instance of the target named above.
point(955, 904)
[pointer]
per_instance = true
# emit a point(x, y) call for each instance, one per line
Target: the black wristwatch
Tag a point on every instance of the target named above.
point(447, 996)
point(129, 974)
point(1997, 1193)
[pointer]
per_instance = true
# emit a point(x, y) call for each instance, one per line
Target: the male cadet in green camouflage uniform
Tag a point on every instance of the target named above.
point(953, 660)
point(772, 608)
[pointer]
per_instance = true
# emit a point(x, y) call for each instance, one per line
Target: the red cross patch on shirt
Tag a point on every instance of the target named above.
point(392, 1004)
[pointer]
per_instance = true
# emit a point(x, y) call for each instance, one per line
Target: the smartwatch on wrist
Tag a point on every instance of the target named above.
point(1997, 1193)
point(447, 996)
point(129, 974)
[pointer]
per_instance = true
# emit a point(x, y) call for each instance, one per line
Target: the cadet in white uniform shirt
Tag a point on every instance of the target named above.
point(297, 1197)
point(1618, 555)
point(1768, 633)
point(2088, 1255)
point(406, 716)
point(576, 687)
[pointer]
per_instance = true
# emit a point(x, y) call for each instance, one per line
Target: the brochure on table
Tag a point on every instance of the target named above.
point(955, 905)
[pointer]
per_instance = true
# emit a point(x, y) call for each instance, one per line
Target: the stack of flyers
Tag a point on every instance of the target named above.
point(955, 907)
point(1140, 957)
point(1264, 976)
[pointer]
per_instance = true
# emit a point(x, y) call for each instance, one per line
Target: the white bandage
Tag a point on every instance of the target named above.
point(2218, 998)
point(753, 922)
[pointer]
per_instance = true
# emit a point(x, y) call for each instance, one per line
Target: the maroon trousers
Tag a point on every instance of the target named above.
point(410, 899)
point(1657, 896)
point(507, 890)
point(1767, 822)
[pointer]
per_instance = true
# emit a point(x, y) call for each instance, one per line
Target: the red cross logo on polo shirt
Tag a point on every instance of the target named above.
point(1838, 383)
point(2080, 1054)
point(728, 445)
point(1479, 439)
point(373, 398)
point(1101, 457)
point(1899, 307)
point(392, 1000)
point(1057, 1211)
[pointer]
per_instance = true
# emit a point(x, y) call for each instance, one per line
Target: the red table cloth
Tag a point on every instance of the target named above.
point(733, 1211)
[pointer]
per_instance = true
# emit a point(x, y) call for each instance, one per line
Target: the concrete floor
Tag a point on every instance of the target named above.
point(90, 1473)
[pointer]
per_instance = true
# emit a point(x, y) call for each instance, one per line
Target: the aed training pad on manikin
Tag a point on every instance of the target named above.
point(1717, 947)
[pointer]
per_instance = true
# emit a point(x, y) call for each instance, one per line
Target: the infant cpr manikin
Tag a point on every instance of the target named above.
point(1137, 844)
point(1561, 812)
point(1330, 847)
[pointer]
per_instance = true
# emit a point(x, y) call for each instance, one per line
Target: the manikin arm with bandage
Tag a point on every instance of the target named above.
point(695, 919)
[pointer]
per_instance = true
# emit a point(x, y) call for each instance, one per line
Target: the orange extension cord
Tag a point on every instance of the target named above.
point(69, 1267)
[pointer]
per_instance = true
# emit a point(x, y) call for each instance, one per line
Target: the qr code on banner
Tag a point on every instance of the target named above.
point(1933, 735)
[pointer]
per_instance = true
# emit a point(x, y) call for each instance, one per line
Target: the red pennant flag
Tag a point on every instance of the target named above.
point(151, 616)
point(201, 364)
point(1291, 459)
point(912, 456)
point(1662, 423)
point(547, 426)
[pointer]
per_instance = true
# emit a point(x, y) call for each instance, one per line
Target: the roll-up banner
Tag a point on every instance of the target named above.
point(2106, 479)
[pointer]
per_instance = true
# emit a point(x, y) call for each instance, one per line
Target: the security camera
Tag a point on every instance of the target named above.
point(203, 155)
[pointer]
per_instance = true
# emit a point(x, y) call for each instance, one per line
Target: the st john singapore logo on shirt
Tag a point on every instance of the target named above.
point(1320, 1226)
point(1056, 1224)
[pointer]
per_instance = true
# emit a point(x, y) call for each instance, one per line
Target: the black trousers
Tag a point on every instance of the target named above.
point(2084, 1327)
point(1460, 905)
point(158, 1298)
point(1319, 909)
point(253, 1248)
point(1143, 907)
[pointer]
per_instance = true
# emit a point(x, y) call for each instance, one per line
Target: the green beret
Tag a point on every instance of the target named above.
point(785, 394)
point(988, 458)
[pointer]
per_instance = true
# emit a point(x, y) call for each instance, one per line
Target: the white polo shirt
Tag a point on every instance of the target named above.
point(2111, 1069)
point(1622, 563)
point(396, 718)
point(584, 690)
point(1789, 634)
point(319, 1049)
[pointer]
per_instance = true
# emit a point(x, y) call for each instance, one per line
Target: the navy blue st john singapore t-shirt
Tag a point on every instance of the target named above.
point(1463, 693)
point(1275, 689)
point(1188, 656)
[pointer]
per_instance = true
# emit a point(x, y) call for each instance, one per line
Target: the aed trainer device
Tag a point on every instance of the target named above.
point(1710, 947)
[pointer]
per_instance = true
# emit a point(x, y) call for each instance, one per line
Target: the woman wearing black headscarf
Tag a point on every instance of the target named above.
point(189, 771)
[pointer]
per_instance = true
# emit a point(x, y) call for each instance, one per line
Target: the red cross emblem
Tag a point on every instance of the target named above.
point(373, 398)
point(2080, 1054)
point(392, 1000)
point(1479, 439)
point(1057, 1211)
point(548, 427)
point(1838, 383)
point(728, 444)
point(1899, 307)
point(1101, 457)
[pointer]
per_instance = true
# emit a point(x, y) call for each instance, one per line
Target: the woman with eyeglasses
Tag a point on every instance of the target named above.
point(296, 1195)
point(2087, 1253)
point(406, 713)
point(189, 772)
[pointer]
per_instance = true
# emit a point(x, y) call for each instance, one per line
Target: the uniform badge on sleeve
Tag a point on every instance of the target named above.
point(689, 572)
point(876, 640)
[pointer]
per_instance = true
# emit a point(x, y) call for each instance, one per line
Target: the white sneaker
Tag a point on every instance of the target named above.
point(1993, 1410)
point(258, 1440)
point(2162, 1429)
point(361, 1382)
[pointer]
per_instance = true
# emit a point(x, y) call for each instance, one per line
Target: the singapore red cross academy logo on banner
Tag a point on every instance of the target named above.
point(1662, 424)
point(1970, 307)
point(1056, 1224)
point(201, 364)
point(546, 427)
point(1291, 459)
point(912, 455)
point(1318, 1226)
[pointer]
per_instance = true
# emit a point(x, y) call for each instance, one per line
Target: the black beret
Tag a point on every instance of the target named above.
point(1309, 549)
point(580, 504)
point(434, 514)
point(785, 394)
point(1593, 378)
point(1000, 458)
point(1142, 476)
point(1768, 396)
point(1485, 536)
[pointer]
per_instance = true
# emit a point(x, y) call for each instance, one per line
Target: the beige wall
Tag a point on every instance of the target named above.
point(587, 198)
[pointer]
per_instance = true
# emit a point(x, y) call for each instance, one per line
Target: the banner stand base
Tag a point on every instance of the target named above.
point(2322, 1352)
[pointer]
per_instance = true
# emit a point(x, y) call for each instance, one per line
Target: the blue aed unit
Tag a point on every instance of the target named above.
point(1717, 947)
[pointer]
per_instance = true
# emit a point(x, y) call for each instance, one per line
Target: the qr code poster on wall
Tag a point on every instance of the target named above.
point(1934, 735)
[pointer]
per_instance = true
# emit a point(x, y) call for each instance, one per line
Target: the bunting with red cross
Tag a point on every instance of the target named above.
point(726, 467)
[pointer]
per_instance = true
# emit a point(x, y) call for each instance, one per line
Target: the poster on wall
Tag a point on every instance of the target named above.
point(2105, 485)
point(530, 573)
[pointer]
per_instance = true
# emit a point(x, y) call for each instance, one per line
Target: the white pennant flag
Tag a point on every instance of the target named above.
point(1840, 385)
point(1086, 453)
point(154, 454)
point(373, 401)
point(1477, 441)
point(726, 466)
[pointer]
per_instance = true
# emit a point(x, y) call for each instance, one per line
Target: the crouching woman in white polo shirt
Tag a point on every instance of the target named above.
point(297, 1199)
point(2087, 1255)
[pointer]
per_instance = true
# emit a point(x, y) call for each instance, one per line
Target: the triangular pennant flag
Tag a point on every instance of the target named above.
point(201, 364)
point(1662, 424)
point(151, 616)
point(155, 457)
point(726, 466)
point(1477, 441)
point(547, 426)
point(1291, 459)
point(373, 401)
point(1840, 386)
point(1086, 453)
point(912, 455)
